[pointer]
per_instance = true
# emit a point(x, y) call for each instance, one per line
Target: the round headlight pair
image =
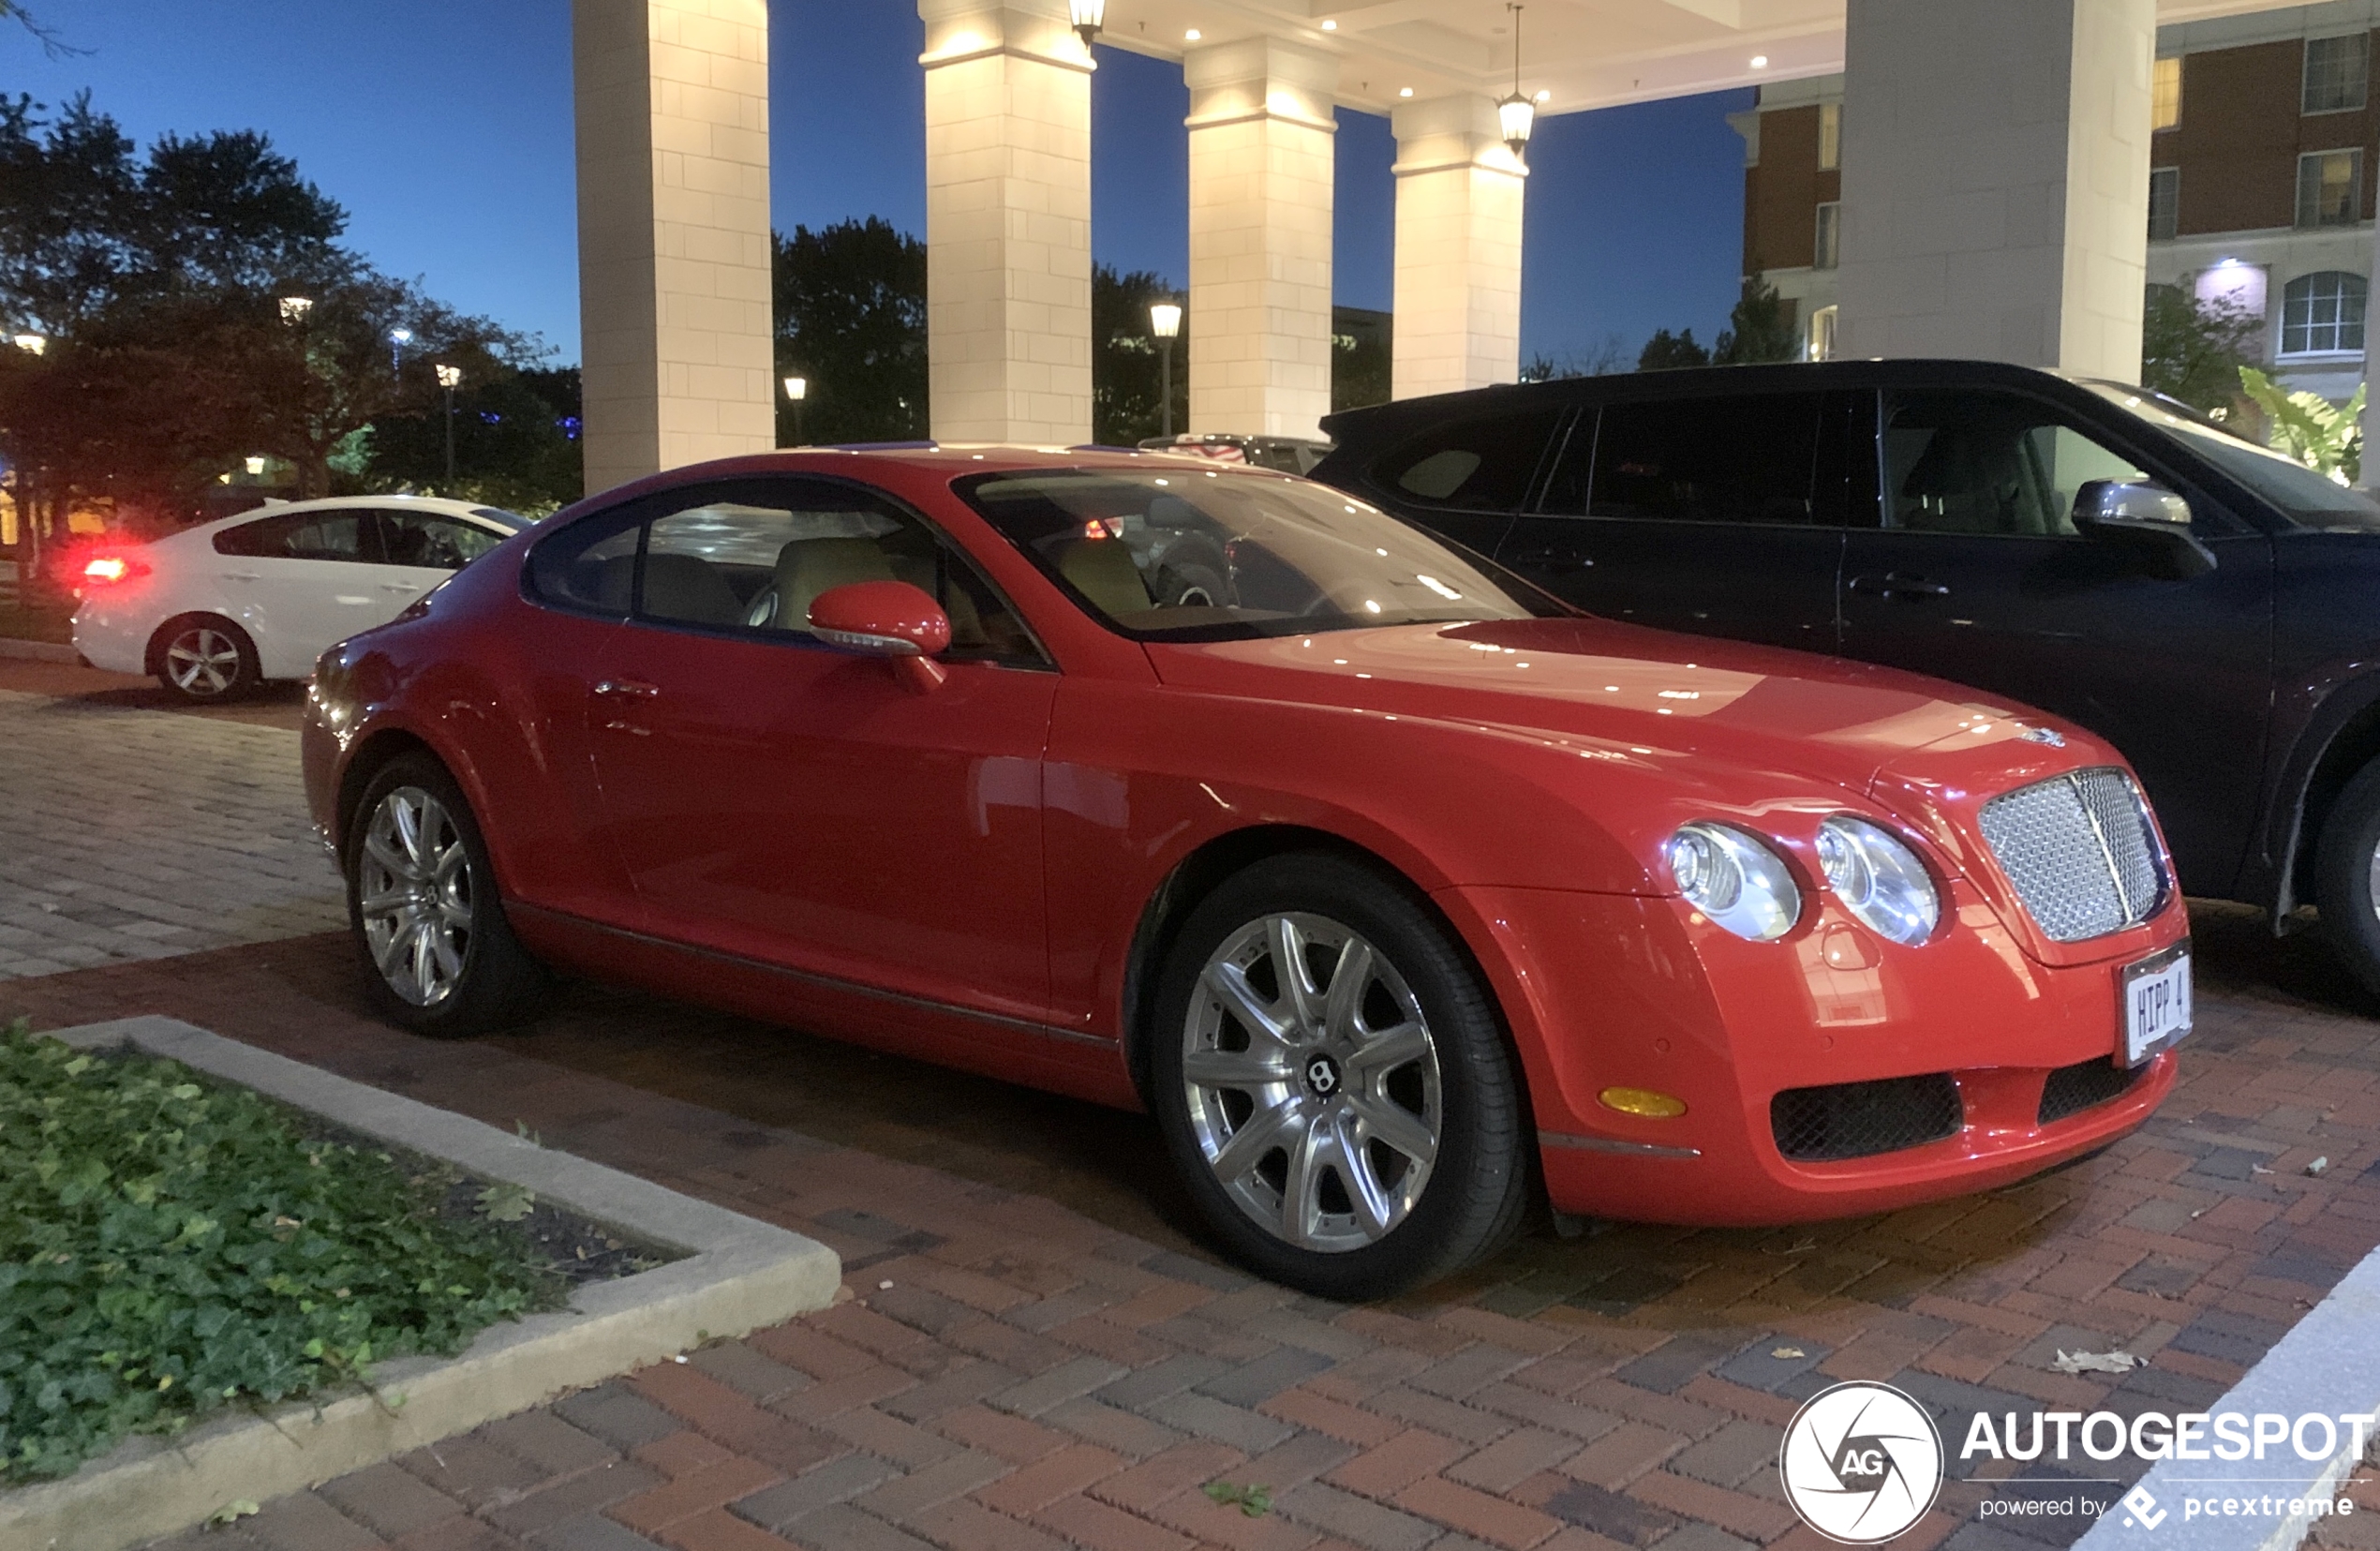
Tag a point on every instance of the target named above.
point(1743, 886)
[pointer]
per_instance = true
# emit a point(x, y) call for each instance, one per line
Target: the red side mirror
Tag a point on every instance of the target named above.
point(891, 620)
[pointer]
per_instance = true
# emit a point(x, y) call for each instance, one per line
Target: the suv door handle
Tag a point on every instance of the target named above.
point(1554, 558)
point(1895, 584)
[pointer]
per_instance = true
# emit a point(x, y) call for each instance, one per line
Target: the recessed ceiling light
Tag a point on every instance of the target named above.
point(1192, 37)
point(1330, 26)
point(1760, 62)
point(1404, 91)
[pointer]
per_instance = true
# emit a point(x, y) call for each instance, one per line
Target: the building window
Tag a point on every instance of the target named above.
point(2167, 93)
point(1830, 240)
point(2337, 69)
point(2322, 314)
point(2164, 203)
point(1822, 335)
point(2331, 187)
point(1830, 136)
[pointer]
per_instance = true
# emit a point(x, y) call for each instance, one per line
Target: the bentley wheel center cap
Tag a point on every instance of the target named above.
point(1322, 1076)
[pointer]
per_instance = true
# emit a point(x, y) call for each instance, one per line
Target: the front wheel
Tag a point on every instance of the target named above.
point(2347, 876)
point(438, 955)
point(1333, 1085)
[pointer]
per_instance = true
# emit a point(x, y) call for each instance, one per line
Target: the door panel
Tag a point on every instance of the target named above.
point(1981, 579)
point(1718, 517)
point(302, 582)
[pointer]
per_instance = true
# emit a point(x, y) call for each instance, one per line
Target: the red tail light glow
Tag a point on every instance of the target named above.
point(108, 569)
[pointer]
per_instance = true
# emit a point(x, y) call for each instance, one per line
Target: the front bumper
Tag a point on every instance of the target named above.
point(1606, 990)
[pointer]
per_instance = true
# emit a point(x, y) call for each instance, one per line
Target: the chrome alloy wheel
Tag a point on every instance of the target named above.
point(202, 661)
point(1312, 1082)
point(413, 890)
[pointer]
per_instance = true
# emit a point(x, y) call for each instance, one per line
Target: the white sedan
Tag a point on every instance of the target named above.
point(218, 608)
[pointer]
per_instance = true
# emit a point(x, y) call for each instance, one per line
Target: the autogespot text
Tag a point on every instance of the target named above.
point(2153, 1435)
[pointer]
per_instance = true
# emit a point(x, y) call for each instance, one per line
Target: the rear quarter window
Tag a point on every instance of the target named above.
point(1482, 463)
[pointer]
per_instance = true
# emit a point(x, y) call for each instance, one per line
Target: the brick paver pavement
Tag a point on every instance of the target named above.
point(1015, 1370)
point(127, 833)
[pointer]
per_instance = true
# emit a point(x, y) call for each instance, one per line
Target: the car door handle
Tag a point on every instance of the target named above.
point(406, 587)
point(1554, 558)
point(626, 689)
point(1893, 584)
point(236, 575)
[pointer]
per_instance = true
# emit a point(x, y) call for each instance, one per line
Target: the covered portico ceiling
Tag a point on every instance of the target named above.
point(1583, 53)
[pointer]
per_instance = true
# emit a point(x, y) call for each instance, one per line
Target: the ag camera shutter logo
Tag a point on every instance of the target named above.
point(1860, 1463)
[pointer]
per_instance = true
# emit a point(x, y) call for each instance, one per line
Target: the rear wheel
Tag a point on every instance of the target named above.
point(437, 955)
point(2347, 876)
point(1333, 1084)
point(203, 657)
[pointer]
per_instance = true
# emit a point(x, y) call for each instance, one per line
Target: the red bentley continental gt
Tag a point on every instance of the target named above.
point(1396, 889)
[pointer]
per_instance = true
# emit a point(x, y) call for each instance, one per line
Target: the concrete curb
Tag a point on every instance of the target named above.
point(741, 1274)
point(2328, 1362)
point(38, 651)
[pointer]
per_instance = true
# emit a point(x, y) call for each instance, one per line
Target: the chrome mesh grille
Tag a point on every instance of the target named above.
point(2080, 852)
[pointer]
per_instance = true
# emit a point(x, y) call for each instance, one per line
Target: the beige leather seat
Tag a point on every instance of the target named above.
point(688, 587)
point(807, 567)
point(1102, 570)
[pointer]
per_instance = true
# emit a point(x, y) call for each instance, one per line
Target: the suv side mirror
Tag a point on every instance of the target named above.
point(889, 620)
point(2146, 517)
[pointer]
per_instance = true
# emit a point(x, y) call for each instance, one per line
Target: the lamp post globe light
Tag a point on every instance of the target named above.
point(796, 389)
point(398, 339)
point(1165, 322)
point(450, 378)
point(1088, 18)
point(32, 344)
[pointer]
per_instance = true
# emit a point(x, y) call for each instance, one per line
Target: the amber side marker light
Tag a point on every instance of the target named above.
point(1643, 1101)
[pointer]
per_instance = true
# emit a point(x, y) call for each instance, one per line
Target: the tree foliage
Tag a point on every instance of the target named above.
point(516, 444)
point(1126, 373)
point(2325, 437)
point(1760, 328)
point(851, 319)
point(1665, 350)
point(2193, 351)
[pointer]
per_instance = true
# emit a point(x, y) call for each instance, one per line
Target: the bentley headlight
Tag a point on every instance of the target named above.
point(1879, 879)
point(1735, 880)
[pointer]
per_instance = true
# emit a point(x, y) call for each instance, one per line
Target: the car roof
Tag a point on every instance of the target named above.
point(440, 504)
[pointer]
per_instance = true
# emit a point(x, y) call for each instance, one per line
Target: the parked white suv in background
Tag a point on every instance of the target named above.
point(218, 608)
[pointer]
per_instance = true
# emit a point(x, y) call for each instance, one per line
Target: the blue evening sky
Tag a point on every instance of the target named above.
point(444, 127)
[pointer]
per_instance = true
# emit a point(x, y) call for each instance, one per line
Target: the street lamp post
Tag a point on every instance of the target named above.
point(1165, 322)
point(450, 378)
point(796, 389)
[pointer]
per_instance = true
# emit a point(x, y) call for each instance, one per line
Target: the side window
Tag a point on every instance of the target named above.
point(302, 536)
point(1743, 458)
point(1484, 464)
point(753, 556)
point(433, 540)
point(1989, 463)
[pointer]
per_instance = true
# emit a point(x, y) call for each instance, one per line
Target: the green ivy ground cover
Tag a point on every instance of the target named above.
point(170, 1247)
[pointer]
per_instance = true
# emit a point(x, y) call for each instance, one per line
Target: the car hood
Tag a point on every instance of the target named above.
point(1848, 724)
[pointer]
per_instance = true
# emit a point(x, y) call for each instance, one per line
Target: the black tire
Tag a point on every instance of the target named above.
point(494, 984)
point(2342, 876)
point(1471, 1197)
point(204, 659)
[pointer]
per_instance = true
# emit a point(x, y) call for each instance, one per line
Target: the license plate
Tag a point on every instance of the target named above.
point(2156, 997)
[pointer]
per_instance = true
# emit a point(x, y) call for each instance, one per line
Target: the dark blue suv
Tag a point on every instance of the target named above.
point(2210, 607)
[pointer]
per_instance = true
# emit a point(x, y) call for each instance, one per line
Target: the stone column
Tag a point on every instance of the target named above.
point(673, 232)
point(1996, 180)
point(1007, 221)
point(1458, 248)
point(1261, 182)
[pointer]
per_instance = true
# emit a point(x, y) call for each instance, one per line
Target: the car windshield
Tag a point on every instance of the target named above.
point(2306, 498)
point(513, 520)
point(1207, 555)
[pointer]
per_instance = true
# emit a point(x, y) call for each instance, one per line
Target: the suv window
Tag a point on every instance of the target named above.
point(750, 557)
point(1483, 464)
point(432, 540)
point(1985, 462)
point(1743, 458)
point(302, 536)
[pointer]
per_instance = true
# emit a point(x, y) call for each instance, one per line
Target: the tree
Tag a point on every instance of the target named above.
point(851, 318)
point(1665, 350)
point(1760, 329)
point(1125, 371)
point(516, 444)
point(2193, 351)
point(1609, 356)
